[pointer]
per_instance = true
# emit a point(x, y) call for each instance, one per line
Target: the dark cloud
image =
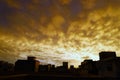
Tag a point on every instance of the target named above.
point(58, 27)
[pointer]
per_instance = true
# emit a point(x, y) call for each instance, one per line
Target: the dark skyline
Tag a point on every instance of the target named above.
point(106, 67)
point(55, 30)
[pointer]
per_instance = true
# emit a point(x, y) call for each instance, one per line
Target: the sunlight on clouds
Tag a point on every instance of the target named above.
point(53, 38)
point(88, 4)
point(65, 1)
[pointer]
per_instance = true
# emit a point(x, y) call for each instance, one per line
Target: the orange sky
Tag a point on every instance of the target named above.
point(58, 30)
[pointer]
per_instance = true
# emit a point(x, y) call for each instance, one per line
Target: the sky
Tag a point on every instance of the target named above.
point(58, 30)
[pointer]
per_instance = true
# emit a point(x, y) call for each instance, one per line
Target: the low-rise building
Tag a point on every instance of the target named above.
point(29, 65)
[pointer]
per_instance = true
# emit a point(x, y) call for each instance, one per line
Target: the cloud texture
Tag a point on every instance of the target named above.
point(58, 30)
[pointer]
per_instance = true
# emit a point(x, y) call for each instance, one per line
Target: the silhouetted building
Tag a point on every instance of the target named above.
point(71, 66)
point(45, 68)
point(72, 69)
point(65, 65)
point(60, 69)
point(107, 55)
point(52, 69)
point(63, 68)
point(89, 67)
point(29, 65)
point(108, 65)
point(31, 58)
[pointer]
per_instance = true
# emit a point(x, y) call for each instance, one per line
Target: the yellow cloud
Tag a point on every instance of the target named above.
point(13, 3)
point(88, 4)
point(65, 1)
point(58, 20)
point(43, 36)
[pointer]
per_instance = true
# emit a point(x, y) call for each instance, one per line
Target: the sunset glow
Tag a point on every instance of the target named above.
point(59, 30)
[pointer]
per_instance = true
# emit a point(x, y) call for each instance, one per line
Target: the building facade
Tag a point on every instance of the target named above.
point(29, 65)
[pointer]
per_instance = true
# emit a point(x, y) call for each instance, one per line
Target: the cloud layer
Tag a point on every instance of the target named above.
point(58, 30)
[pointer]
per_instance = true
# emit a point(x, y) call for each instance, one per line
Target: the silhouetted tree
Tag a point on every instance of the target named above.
point(6, 67)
